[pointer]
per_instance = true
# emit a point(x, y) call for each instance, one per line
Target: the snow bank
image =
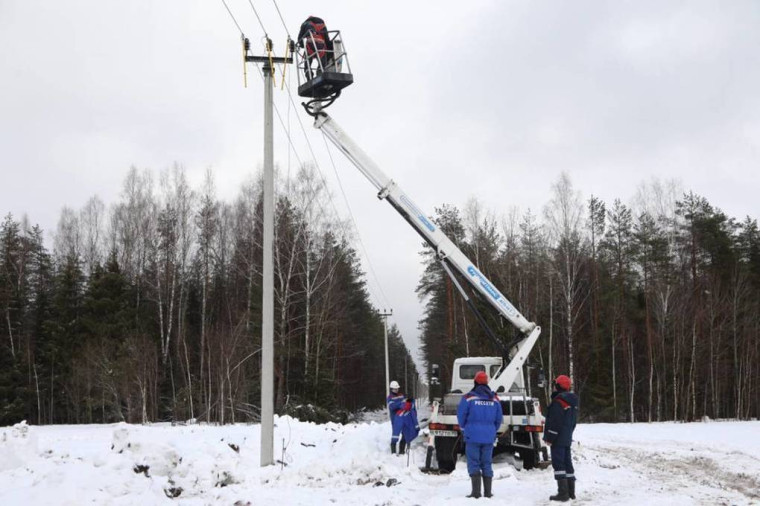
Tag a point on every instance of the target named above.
point(17, 446)
point(120, 464)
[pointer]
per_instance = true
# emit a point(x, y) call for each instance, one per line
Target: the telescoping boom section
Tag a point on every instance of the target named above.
point(445, 249)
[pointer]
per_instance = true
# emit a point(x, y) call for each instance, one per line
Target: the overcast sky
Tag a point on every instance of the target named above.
point(489, 101)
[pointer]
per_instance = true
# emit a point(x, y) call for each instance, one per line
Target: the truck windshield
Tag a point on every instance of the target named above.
point(468, 372)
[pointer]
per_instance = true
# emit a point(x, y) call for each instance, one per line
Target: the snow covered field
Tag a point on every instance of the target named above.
point(716, 463)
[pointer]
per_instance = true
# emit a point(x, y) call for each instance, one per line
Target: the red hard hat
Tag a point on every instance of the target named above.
point(481, 378)
point(563, 382)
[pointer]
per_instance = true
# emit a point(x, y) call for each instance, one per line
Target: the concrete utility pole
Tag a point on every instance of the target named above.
point(406, 387)
point(267, 310)
point(387, 372)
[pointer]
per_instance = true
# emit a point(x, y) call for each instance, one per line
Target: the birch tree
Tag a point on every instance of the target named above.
point(564, 218)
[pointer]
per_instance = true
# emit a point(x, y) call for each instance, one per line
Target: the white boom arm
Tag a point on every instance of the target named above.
point(445, 249)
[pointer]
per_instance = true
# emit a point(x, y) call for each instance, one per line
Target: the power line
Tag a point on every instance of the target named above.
point(345, 198)
point(281, 18)
point(313, 155)
point(233, 17)
point(324, 182)
point(351, 214)
point(257, 17)
point(301, 163)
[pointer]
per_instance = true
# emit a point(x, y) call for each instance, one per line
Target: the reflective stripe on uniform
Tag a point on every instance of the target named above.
point(392, 399)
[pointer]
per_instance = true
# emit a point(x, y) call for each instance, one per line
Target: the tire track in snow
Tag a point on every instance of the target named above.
point(673, 469)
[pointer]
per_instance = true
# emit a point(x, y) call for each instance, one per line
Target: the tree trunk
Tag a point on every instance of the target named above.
point(10, 331)
point(551, 330)
point(632, 375)
point(204, 298)
point(614, 370)
point(307, 322)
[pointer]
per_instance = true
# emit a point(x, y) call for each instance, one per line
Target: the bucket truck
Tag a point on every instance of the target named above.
point(324, 78)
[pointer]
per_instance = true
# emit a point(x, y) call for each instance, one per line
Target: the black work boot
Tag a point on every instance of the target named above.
point(402, 447)
point(393, 448)
point(487, 481)
point(562, 491)
point(571, 487)
point(475, 479)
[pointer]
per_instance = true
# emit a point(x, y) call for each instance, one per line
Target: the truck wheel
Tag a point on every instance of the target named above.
point(529, 459)
point(446, 453)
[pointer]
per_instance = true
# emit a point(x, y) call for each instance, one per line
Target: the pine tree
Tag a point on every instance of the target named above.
point(65, 337)
point(444, 331)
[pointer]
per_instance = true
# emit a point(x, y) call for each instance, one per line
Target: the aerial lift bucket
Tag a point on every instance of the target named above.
point(323, 67)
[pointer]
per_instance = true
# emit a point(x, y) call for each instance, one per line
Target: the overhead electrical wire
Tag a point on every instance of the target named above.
point(311, 150)
point(290, 145)
point(351, 214)
point(259, 18)
point(233, 17)
point(345, 197)
point(281, 18)
point(340, 185)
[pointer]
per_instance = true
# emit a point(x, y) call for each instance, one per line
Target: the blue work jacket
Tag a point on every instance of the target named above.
point(561, 417)
point(479, 415)
point(395, 402)
point(405, 422)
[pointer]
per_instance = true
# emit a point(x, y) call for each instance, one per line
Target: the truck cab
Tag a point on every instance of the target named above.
point(465, 369)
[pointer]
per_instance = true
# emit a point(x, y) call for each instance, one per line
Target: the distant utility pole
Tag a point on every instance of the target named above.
point(387, 373)
point(406, 387)
point(267, 311)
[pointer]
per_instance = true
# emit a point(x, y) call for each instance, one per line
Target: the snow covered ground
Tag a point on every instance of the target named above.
point(716, 463)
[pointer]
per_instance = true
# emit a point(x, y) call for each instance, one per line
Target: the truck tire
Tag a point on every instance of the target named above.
point(529, 459)
point(446, 453)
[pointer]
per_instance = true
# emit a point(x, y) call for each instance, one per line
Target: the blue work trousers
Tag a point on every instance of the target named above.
point(479, 459)
point(562, 463)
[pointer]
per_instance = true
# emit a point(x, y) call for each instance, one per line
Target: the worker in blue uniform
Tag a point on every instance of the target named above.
point(405, 425)
point(480, 416)
point(395, 401)
point(561, 417)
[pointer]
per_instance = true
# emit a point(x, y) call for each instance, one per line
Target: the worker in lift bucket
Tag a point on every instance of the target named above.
point(479, 416)
point(395, 402)
point(313, 37)
point(561, 416)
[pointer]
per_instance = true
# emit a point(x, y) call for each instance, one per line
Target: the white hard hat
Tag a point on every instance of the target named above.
point(394, 385)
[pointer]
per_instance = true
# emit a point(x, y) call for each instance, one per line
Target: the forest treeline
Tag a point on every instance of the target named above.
point(149, 309)
point(653, 308)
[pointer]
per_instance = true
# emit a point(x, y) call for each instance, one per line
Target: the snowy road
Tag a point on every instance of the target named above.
point(715, 463)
